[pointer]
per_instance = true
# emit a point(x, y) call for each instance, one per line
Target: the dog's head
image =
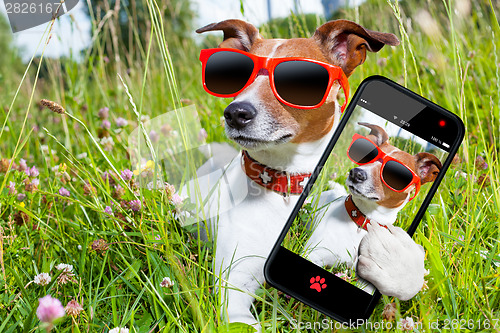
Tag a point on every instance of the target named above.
point(256, 118)
point(364, 181)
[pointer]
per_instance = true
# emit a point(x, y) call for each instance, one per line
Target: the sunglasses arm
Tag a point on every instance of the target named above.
point(344, 83)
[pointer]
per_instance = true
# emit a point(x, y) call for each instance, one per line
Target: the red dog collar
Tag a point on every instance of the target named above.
point(275, 180)
point(356, 215)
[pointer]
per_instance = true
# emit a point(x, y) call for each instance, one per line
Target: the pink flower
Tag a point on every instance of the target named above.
point(135, 205)
point(103, 113)
point(108, 210)
point(202, 134)
point(106, 124)
point(64, 192)
point(22, 165)
point(12, 188)
point(33, 172)
point(154, 136)
point(176, 199)
point(127, 174)
point(121, 122)
point(49, 309)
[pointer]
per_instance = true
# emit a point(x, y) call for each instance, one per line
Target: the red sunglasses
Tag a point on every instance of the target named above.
point(297, 82)
point(394, 174)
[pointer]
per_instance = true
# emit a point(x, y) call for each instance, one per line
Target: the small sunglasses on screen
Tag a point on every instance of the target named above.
point(297, 82)
point(393, 173)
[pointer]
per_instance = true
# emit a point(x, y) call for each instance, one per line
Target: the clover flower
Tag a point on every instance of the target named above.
point(106, 124)
point(103, 113)
point(118, 192)
point(42, 279)
point(12, 188)
point(107, 143)
point(202, 134)
point(33, 172)
point(49, 309)
point(31, 186)
point(153, 136)
point(119, 330)
point(121, 122)
point(127, 174)
point(108, 210)
point(169, 190)
point(166, 283)
point(100, 245)
point(389, 312)
point(135, 205)
point(66, 268)
point(64, 192)
point(176, 199)
point(406, 324)
point(81, 156)
point(22, 165)
point(73, 308)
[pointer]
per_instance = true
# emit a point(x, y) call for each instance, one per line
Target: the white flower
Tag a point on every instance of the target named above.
point(65, 267)
point(166, 283)
point(406, 324)
point(119, 330)
point(81, 156)
point(42, 279)
point(45, 149)
point(107, 143)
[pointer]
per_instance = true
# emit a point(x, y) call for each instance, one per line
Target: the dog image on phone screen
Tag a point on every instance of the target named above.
point(283, 115)
point(383, 182)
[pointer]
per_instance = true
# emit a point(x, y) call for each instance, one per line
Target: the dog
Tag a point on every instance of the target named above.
point(351, 224)
point(243, 211)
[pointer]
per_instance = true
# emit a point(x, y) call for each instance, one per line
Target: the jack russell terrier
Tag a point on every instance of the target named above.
point(371, 205)
point(283, 133)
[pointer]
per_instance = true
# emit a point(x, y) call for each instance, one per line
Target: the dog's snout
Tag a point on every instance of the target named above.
point(239, 115)
point(357, 175)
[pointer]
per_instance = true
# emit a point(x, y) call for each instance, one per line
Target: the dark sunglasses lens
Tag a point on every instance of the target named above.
point(301, 82)
point(363, 151)
point(396, 175)
point(227, 72)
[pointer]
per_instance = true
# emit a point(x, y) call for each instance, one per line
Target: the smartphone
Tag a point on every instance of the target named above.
point(384, 163)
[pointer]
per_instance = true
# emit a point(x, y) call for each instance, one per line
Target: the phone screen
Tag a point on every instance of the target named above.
point(379, 171)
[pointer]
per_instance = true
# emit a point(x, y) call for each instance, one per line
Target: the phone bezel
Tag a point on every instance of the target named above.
point(278, 279)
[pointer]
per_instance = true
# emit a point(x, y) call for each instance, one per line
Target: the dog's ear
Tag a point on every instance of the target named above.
point(345, 43)
point(428, 167)
point(238, 34)
point(377, 133)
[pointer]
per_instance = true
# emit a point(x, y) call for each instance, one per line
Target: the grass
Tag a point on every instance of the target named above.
point(449, 54)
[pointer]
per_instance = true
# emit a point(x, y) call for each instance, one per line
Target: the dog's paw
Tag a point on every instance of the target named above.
point(391, 261)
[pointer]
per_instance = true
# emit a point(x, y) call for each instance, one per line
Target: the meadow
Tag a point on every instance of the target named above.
point(70, 195)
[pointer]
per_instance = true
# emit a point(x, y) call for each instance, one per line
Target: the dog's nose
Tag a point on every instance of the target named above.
point(357, 175)
point(239, 114)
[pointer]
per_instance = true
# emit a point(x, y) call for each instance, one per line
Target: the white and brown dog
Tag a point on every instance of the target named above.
point(351, 228)
point(282, 145)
